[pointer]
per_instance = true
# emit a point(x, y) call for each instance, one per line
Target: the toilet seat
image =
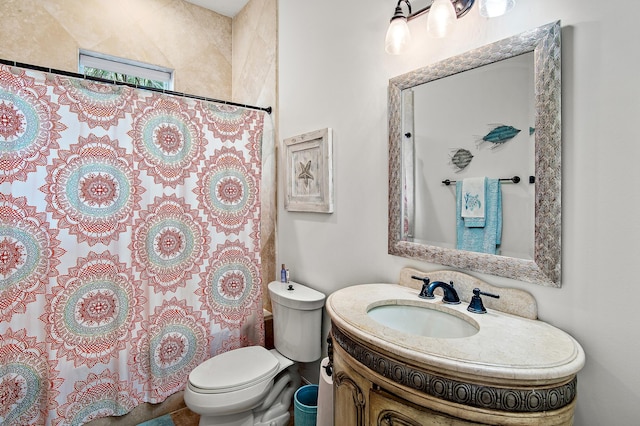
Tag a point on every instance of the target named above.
point(234, 370)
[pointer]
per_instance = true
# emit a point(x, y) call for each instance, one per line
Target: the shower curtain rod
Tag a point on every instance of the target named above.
point(268, 110)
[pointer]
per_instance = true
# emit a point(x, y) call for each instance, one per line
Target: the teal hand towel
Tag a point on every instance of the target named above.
point(485, 239)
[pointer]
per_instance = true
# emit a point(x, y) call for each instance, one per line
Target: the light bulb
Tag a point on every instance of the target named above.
point(494, 8)
point(442, 16)
point(398, 37)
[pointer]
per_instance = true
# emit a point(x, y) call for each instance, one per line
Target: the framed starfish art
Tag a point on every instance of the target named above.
point(309, 172)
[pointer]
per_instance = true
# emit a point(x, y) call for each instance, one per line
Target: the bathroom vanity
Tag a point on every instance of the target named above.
point(503, 367)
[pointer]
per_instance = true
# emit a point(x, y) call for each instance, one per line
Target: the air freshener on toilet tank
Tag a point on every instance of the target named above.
point(283, 274)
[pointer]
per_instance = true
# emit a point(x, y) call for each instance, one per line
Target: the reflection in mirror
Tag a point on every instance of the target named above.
point(438, 110)
point(447, 139)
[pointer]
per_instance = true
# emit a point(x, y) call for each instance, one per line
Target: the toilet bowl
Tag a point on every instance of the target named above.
point(253, 386)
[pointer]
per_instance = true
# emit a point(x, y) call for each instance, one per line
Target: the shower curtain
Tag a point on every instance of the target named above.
point(129, 243)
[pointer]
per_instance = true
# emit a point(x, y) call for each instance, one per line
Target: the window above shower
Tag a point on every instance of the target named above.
point(124, 70)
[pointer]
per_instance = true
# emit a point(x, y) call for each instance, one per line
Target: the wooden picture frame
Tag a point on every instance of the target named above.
point(309, 172)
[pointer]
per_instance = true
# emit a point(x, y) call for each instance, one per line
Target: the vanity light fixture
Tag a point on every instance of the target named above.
point(442, 16)
point(494, 8)
point(398, 35)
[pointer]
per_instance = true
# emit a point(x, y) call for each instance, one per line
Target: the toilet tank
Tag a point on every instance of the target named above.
point(297, 320)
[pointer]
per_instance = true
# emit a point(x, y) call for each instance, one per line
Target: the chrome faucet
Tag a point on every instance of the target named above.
point(450, 293)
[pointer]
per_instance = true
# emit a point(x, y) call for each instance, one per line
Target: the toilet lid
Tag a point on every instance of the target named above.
point(235, 370)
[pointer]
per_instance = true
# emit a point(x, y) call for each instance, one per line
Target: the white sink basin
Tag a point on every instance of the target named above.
point(422, 321)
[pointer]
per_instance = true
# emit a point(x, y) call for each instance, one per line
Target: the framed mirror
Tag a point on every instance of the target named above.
point(540, 260)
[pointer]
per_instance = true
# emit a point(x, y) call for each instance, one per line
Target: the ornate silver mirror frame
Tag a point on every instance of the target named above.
point(545, 268)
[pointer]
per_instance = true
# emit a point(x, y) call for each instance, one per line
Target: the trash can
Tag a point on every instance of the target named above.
point(305, 405)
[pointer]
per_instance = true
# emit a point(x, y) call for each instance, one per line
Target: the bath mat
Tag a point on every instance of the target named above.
point(160, 421)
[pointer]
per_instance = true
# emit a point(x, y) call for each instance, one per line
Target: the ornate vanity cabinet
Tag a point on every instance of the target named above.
point(515, 370)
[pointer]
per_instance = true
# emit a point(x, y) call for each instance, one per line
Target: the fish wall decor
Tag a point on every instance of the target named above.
point(499, 135)
point(461, 158)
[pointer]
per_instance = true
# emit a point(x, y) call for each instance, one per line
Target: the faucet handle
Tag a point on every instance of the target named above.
point(423, 279)
point(424, 293)
point(476, 306)
point(425, 286)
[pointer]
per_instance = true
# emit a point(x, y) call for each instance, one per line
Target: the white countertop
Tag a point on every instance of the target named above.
point(506, 346)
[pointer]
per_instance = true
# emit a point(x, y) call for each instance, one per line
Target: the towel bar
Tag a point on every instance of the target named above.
point(515, 179)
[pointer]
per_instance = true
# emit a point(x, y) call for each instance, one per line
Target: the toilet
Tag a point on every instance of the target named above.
point(253, 385)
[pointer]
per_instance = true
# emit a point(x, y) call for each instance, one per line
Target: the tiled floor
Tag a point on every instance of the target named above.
point(185, 417)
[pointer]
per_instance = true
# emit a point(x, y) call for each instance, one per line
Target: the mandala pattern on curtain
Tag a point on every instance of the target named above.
point(129, 244)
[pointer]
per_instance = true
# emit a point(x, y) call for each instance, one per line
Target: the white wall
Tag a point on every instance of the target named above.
point(334, 73)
